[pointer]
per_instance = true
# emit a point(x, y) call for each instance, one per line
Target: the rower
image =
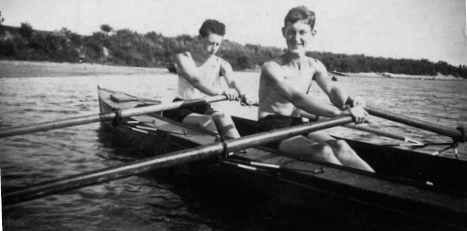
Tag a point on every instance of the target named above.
point(199, 76)
point(283, 87)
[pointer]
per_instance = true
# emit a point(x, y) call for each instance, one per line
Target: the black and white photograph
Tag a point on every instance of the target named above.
point(220, 115)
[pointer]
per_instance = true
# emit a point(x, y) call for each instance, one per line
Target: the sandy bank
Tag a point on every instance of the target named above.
point(400, 76)
point(422, 77)
point(362, 74)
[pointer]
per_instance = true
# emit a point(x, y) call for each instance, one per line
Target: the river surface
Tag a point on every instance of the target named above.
point(156, 201)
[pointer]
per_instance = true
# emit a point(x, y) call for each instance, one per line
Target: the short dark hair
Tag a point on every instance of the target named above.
point(300, 13)
point(212, 26)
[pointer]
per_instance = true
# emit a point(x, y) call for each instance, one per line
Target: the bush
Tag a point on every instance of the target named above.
point(26, 30)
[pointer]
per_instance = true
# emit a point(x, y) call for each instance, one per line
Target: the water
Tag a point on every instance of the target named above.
point(159, 201)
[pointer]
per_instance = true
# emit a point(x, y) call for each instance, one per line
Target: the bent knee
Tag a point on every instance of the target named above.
point(344, 151)
point(203, 121)
point(206, 122)
point(220, 115)
point(341, 144)
point(323, 151)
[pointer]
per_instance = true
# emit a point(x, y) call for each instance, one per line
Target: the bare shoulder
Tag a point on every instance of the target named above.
point(225, 65)
point(271, 70)
point(271, 65)
point(317, 65)
point(183, 55)
point(223, 62)
point(184, 61)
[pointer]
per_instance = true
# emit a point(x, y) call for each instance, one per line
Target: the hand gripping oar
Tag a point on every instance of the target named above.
point(372, 130)
point(458, 135)
point(163, 161)
point(104, 116)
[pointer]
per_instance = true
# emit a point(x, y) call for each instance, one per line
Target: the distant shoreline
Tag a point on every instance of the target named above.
point(14, 68)
point(421, 77)
point(396, 76)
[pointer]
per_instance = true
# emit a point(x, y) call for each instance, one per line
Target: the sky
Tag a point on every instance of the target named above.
point(414, 29)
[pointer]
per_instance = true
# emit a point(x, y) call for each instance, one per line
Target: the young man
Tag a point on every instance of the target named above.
point(284, 84)
point(198, 77)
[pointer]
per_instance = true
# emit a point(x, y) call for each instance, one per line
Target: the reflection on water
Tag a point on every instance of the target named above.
point(169, 199)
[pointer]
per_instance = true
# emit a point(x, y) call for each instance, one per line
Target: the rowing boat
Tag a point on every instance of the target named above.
point(431, 188)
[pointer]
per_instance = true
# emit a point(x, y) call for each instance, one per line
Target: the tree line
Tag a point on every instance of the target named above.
point(126, 47)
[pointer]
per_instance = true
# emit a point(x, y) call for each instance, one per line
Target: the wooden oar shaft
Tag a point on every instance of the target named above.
point(113, 173)
point(378, 132)
point(162, 107)
point(454, 133)
point(280, 134)
point(104, 117)
point(20, 130)
point(365, 129)
point(162, 161)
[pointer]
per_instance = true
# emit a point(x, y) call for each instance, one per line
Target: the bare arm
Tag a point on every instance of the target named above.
point(227, 71)
point(337, 96)
point(186, 68)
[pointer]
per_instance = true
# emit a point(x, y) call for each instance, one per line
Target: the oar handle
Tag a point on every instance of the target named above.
point(366, 129)
point(13, 131)
point(457, 134)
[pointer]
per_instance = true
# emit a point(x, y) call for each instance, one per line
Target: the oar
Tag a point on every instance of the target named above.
point(104, 116)
point(371, 130)
point(163, 161)
point(456, 134)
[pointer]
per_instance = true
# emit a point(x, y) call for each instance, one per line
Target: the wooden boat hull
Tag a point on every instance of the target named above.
point(427, 187)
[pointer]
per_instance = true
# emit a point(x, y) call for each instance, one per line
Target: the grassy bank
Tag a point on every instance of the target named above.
point(50, 69)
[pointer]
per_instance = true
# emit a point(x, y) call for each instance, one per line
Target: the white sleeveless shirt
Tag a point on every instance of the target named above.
point(208, 72)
